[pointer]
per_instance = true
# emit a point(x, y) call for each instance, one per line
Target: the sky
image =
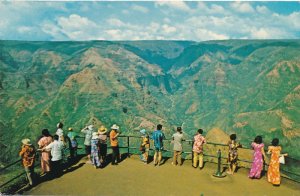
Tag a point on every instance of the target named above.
point(148, 20)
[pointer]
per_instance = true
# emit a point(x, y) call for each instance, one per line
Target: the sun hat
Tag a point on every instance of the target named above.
point(115, 127)
point(102, 130)
point(95, 136)
point(26, 141)
point(143, 131)
point(70, 129)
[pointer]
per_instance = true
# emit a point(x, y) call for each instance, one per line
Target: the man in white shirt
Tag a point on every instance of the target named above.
point(56, 148)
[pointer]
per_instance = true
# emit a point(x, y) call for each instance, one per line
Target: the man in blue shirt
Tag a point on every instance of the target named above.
point(158, 137)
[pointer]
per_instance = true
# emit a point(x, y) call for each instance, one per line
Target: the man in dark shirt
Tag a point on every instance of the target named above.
point(158, 137)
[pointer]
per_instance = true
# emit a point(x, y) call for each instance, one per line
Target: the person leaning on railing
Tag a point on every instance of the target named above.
point(158, 137)
point(114, 133)
point(199, 140)
point(45, 158)
point(177, 139)
point(274, 165)
point(56, 148)
point(232, 154)
point(28, 157)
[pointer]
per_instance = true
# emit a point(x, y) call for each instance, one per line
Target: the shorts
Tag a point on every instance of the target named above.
point(88, 149)
point(158, 149)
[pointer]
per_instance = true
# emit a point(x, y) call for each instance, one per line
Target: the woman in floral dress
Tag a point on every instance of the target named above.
point(258, 158)
point(274, 166)
point(45, 158)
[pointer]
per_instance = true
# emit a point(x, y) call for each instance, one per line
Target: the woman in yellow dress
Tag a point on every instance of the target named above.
point(274, 166)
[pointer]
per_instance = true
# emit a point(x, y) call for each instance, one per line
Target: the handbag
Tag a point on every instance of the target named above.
point(281, 159)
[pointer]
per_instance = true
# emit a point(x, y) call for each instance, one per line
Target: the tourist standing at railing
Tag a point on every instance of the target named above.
point(145, 146)
point(60, 132)
point(72, 143)
point(177, 139)
point(88, 131)
point(232, 153)
point(114, 133)
point(199, 140)
point(45, 158)
point(158, 137)
point(102, 131)
point(274, 165)
point(95, 150)
point(258, 158)
point(28, 156)
point(56, 147)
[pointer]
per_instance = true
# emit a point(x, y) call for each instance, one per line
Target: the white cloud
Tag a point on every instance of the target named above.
point(217, 9)
point(115, 22)
point(262, 9)
point(125, 12)
point(74, 27)
point(168, 29)
point(140, 8)
point(167, 20)
point(178, 5)
point(242, 7)
point(114, 34)
point(24, 29)
point(75, 21)
point(204, 34)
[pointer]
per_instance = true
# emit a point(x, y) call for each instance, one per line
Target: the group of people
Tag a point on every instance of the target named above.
point(259, 156)
point(53, 154)
point(51, 148)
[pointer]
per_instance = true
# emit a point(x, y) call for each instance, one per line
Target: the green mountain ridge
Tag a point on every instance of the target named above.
point(248, 87)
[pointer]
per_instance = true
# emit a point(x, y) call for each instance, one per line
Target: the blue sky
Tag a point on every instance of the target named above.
point(154, 20)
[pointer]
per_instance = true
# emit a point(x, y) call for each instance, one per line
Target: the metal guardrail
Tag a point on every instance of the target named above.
point(128, 147)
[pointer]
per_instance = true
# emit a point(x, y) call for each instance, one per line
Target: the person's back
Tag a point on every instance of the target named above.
point(178, 138)
point(158, 137)
point(177, 141)
point(28, 156)
point(56, 150)
point(56, 147)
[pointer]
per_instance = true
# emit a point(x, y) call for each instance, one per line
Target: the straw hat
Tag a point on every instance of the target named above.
point(70, 129)
point(26, 141)
point(143, 131)
point(102, 130)
point(115, 127)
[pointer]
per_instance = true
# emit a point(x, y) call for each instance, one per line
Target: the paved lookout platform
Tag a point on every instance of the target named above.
point(132, 177)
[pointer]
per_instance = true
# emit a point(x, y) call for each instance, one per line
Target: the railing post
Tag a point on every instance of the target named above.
point(128, 149)
point(218, 174)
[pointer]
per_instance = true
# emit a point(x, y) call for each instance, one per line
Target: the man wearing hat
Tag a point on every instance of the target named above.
point(88, 131)
point(114, 144)
point(102, 132)
point(28, 156)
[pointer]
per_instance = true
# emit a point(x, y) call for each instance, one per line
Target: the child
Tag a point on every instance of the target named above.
point(95, 150)
point(72, 143)
point(232, 153)
point(145, 145)
point(28, 155)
